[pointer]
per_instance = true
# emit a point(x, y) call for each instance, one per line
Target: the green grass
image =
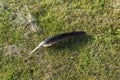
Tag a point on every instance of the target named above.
point(25, 23)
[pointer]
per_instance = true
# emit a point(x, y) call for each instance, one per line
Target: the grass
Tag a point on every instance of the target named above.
point(24, 24)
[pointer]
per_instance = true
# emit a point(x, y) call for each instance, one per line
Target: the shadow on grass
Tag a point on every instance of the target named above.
point(72, 43)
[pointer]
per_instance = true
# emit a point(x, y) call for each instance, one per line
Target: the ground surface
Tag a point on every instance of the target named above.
point(25, 23)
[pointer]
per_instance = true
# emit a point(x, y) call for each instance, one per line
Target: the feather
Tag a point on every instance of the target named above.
point(52, 40)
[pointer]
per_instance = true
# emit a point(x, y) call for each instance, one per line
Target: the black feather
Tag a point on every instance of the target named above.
point(52, 40)
point(63, 36)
